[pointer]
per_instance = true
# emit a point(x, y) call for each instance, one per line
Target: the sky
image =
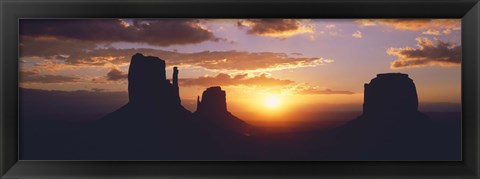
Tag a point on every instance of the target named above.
point(273, 65)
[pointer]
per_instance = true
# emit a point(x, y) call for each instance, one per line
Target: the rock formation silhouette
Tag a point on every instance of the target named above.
point(229, 133)
point(151, 95)
point(391, 127)
point(148, 85)
point(390, 94)
point(213, 98)
point(213, 109)
point(153, 124)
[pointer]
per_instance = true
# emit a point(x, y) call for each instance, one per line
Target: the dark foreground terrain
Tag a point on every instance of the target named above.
point(46, 139)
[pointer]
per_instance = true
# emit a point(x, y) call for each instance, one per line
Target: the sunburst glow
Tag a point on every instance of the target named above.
point(272, 101)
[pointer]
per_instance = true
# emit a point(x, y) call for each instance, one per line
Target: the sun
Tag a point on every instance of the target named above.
point(272, 101)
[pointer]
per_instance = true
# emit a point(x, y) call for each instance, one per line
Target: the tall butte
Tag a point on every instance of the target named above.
point(391, 126)
point(390, 94)
point(152, 98)
point(148, 86)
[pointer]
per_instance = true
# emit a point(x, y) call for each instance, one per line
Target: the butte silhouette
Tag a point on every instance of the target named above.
point(214, 99)
point(227, 131)
point(391, 126)
point(154, 124)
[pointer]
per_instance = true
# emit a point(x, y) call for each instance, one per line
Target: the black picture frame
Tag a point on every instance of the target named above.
point(11, 11)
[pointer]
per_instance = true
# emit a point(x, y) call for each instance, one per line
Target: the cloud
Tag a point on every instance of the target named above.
point(279, 28)
point(432, 32)
point(34, 77)
point(330, 26)
point(245, 61)
point(260, 80)
point(249, 80)
point(52, 66)
point(52, 47)
point(164, 32)
point(115, 74)
point(331, 30)
point(237, 80)
point(428, 53)
point(218, 61)
point(357, 34)
point(428, 26)
point(307, 90)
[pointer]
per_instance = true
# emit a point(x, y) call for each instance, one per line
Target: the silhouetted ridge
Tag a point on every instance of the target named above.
point(390, 94)
point(213, 99)
point(213, 109)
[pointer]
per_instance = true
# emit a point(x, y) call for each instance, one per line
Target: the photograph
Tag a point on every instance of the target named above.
point(264, 89)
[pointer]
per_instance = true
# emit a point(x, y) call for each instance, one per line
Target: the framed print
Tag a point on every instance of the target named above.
point(91, 91)
point(239, 89)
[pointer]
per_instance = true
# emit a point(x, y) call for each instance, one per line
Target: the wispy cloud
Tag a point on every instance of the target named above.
point(236, 80)
point(218, 61)
point(357, 34)
point(428, 53)
point(115, 74)
point(427, 26)
point(164, 32)
point(279, 28)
